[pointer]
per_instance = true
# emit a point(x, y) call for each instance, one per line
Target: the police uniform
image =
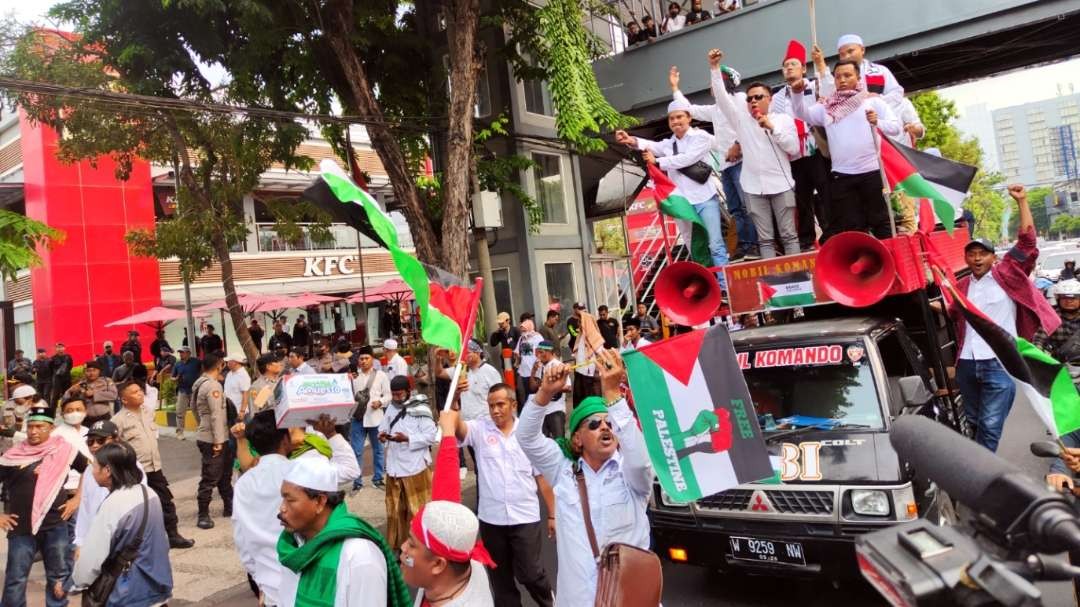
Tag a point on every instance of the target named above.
point(99, 396)
point(213, 430)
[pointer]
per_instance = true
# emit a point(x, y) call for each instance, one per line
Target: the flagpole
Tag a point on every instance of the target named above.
point(474, 309)
point(884, 181)
point(813, 24)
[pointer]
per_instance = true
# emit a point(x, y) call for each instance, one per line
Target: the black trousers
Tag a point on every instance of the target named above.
point(584, 386)
point(160, 485)
point(811, 176)
point(517, 550)
point(216, 472)
point(856, 203)
point(554, 425)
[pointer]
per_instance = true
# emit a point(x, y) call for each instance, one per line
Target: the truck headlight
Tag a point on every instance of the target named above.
point(870, 502)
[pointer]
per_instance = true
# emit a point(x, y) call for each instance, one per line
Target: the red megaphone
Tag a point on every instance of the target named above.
point(687, 293)
point(854, 269)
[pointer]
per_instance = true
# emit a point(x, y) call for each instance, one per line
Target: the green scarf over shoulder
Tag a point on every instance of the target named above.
point(317, 560)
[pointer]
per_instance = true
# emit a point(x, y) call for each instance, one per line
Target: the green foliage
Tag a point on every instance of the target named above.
point(502, 173)
point(1038, 199)
point(20, 238)
point(609, 236)
point(1065, 226)
point(985, 200)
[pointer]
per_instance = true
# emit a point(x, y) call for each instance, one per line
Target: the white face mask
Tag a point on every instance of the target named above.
point(75, 418)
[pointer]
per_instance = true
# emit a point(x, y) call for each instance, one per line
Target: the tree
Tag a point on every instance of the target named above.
point(1037, 199)
point(20, 237)
point(154, 49)
point(985, 200)
point(375, 58)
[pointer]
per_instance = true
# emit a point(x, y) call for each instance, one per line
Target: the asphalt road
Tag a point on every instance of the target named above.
point(690, 586)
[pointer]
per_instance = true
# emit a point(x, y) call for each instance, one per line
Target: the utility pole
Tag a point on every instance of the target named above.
point(183, 272)
point(483, 261)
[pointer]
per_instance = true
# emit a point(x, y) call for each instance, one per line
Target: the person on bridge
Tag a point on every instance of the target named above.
point(809, 166)
point(606, 450)
point(1003, 292)
point(726, 161)
point(768, 139)
point(687, 147)
point(850, 116)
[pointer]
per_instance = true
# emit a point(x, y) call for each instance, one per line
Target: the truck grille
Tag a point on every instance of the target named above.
point(782, 501)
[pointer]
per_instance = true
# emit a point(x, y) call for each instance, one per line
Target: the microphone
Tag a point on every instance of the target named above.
point(1015, 510)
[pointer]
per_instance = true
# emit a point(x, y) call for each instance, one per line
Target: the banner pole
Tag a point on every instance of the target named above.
point(884, 181)
point(465, 337)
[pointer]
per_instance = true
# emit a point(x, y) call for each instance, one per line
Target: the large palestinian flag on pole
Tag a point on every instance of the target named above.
point(447, 308)
point(673, 204)
point(924, 176)
point(1044, 381)
point(700, 427)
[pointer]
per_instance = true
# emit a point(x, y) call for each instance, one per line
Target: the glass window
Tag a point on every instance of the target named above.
point(548, 186)
point(559, 278)
point(537, 97)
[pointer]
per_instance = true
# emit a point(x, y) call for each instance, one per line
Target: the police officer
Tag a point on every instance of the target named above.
point(212, 439)
point(97, 391)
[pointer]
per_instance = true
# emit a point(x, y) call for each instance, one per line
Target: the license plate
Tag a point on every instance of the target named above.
point(767, 551)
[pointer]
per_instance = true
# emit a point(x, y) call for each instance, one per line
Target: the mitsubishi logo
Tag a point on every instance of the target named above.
point(760, 503)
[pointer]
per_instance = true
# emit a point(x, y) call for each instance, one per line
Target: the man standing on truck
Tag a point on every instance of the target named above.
point(1003, 292)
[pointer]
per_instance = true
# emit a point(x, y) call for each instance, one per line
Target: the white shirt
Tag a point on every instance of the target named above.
point(781, 103)
point(908, 115)
point(526, 351)
point(641, 342)
point(396, 366)
point(256, 528)
point(477, 592)
point(766, 169)
point(413, 456)
point(694, 146)
point(77, 439)
point(618, 495)
point(380, 391)
point(851, 141)
point(988, 296)
point(673, 24)
point(892, 93)
point(304, 369)
point(93, 495)
point(361, 577)
point(723, 134)
point(474, 403)
point(236, 384)
point(507, 481)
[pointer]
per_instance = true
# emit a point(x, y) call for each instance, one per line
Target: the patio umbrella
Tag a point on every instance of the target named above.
point(157, 316)
point(249, 302)
point(395, 289)
point(303, 300)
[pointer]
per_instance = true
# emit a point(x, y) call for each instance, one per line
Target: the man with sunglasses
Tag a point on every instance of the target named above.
point(607, 448)
point(97, 436)
point(768, 139)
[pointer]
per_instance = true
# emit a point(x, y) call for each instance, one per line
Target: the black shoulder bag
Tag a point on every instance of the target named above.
point(362, 397)
point(700, 171)
point(97, 595)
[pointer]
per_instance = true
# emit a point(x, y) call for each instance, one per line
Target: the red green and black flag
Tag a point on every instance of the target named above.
point(699, 424)
point(673, 204)
point(447, 308)
point(926, 177)
point(1044, 381)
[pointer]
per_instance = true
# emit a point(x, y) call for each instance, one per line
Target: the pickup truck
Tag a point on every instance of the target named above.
point(826, 393)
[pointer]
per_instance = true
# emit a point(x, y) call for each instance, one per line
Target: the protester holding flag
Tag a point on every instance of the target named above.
point(682, 156)
point(607, 448)
point(768, 139)
point(849, 116)
point(1002, 292)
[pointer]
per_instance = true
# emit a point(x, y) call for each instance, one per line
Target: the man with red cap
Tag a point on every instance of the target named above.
point(809, 166)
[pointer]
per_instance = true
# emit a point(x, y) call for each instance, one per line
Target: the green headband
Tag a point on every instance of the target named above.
point(42, 418)
point(589, 406)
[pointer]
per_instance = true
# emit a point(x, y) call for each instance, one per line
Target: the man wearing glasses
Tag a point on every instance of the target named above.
point(768, 140)
point(97, 436)
point(607, 448)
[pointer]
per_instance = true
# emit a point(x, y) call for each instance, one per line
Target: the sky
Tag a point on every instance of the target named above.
point(1016, 87)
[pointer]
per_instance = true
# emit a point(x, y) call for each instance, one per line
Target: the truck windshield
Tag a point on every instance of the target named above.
point(830, 385)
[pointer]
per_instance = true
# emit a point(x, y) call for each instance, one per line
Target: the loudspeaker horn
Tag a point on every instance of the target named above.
point(855, 269)
point(687, 293)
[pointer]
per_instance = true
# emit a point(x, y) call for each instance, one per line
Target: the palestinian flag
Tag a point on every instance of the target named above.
point(1044, 381)
point(925, 176)
point(787, 290)
point(673, 204)
point(447, 309)
point(700, 428)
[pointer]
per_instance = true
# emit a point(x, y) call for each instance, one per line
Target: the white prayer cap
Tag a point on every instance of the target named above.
point(678, 105)
point(23, 392)
point(390, 344)
point(315, 473)
point(847, 39)
point(449, 529)
point(236, 358)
